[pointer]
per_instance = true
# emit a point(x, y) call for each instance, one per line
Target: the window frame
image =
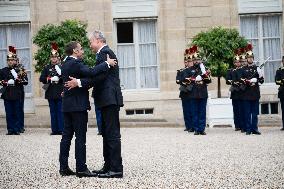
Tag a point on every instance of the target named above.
point(261, 38)
point(8, 42)
point(136, 44)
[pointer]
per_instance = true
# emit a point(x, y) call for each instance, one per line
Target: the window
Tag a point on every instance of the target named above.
point(139, 111)
point(269, 108)
point(137, 54)
point(264, 32)
point(17, 35)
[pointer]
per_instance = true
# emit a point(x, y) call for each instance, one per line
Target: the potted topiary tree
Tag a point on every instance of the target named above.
point(69, 30)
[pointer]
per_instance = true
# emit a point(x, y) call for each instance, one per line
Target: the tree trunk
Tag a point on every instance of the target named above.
point(219, 87)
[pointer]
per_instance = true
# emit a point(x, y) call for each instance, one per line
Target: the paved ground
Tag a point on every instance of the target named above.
point(152, 158)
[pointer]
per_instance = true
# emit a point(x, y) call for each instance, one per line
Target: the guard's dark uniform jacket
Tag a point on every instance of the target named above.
point(279, 80)
point(199, 89)
point(251, 91)
point(54, 90)
point(233, 80)
point(185, 85)
point(12, 92)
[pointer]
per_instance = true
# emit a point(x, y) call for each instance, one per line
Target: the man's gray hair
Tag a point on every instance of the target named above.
point(99, 35)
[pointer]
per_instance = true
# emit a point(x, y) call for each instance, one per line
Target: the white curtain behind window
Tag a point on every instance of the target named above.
point(268, 27)
point(271, 45)
point(127, 72)
point(148, 54)
point(249, 29)
point(3, 46)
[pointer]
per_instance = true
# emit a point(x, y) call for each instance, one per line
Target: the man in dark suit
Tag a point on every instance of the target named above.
point(75, 103)
point(108, 97)
point(279, 80)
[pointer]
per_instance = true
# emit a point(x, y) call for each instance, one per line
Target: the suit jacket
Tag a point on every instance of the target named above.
point(77, 99)
point(106, 86)
point(54, 90)
point(279, 80)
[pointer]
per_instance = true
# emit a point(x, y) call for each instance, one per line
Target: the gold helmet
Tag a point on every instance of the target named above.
point(249, 53)
point(195, 55)
point(237, 56)
point(54, 49)
point(12, 53)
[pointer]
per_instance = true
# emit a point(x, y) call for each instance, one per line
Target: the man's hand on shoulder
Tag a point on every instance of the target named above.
point(72, 83)
point(111, 62)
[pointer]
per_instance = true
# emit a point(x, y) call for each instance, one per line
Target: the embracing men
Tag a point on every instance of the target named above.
point(108, 98)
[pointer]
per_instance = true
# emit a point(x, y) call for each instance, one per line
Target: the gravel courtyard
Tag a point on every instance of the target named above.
point(153, 158)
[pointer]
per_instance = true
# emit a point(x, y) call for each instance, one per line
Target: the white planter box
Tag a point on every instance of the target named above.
point(220, 112)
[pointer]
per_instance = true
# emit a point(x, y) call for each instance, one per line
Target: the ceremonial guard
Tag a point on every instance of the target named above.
point(186, 90)
point(53, 85)
point(199, 78)
point(279, 80)
point(251, 76)
point(12, 93)
point(232, 80)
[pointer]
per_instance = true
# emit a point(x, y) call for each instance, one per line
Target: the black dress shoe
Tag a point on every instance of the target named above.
point(248, 133)
point(10, 133)
point(67, 172)
point(191, 130)
point(101, 171)
point(202, 133)
point(86, 173)
point(196, 133)
point(111, 174)
point(16, 133)
point(237, 129)
point(243, 131)
point(22, 130)
point(282, 129)
point(99, 133)
point(256, 133)
point(185, 130)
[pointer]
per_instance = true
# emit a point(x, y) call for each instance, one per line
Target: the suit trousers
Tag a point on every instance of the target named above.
point(282, 108)
point(74, 122)
point(111, 138)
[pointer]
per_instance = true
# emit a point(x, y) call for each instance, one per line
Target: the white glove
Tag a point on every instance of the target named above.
point(202, 67)
point(54, 79)
point(260, 72)
point(198, 78)
point(253, 80)
point(58, 70)
point(11, 82)
point(14, 73)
